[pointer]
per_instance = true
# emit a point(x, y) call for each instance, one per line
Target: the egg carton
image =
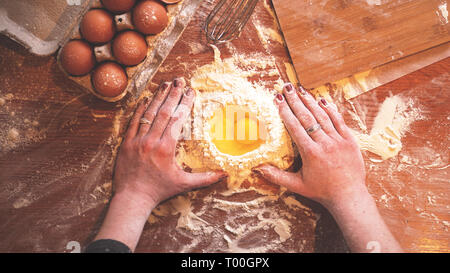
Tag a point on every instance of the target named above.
point(46, 26)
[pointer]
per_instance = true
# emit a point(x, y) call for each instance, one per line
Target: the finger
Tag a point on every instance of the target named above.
point(198, 180)
point(183, 111)
point(292, 181)
point(336, 118)
point(167, 109)
point(134, 123)
point(153, 108)
point(319, 114)
point(295, 129)
point(302, 113)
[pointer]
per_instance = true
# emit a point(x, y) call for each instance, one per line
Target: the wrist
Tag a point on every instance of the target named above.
point(127, 214)
point(134, 200)
point(347, 201)
point(361, 223)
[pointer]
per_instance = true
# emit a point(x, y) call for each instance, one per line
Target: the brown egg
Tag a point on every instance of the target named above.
point(109, 79)
point(77, 58)
point(97, 26)
point(150, 17)
point(129, 48)
point(118, 6)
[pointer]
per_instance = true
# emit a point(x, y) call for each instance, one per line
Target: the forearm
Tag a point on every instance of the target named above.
point(125, 219)
point(363, 227)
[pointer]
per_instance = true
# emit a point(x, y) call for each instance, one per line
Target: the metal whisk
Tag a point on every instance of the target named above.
point(227, 19)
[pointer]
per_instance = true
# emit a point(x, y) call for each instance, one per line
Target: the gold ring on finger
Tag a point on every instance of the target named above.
point(145, 121)
point(313, 128)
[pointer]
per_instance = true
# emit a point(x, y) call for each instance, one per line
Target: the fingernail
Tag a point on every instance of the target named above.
point(289, 87)
point(146, 100)
point(257, 171)
point(188, 92)
point(221, 174)
point(164, 85)
point(302, 90)
point(324, 102)
point(279, 97)
point(177, 82)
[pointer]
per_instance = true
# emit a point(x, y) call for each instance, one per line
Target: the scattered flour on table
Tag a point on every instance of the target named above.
point(374, 2)
point(17, 131)
point(442, 13)
point(267, 34)
point(391, 123)
point(244, 220)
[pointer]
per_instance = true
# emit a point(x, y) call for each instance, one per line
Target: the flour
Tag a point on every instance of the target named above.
point(271, 11)
point(13, 135)
point(187, 219)
point(373, 2)
point(256, 225)
point(392, 121)
point(21, 203)
point(196, 48)
point(266, 35)
point(116, 123)
point(222, 83)
point(442, 13)
point(294, 204)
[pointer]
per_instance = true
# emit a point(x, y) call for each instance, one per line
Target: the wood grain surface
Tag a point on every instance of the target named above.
point(333, 39)
point(58, 146)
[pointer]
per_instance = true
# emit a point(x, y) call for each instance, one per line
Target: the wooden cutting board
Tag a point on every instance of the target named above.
point(332, 39)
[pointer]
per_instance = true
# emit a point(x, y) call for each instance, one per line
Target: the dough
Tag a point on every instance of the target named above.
point(222, 87)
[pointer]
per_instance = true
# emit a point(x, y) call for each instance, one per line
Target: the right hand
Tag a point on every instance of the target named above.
point(333, 170)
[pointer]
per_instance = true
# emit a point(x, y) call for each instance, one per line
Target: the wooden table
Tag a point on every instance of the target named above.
point(58, 146)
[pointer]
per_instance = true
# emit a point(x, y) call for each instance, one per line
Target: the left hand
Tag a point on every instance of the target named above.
point(146, 166)
point(146, 171)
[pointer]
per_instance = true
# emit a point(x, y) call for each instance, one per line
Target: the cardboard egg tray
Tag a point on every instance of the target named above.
point(45, 36)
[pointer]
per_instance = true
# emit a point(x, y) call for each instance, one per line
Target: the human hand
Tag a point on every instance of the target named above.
point(146, 171)
point(146, 167)
point(333, 168)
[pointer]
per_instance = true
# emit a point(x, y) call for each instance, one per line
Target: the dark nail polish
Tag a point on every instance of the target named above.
point(324, 102)
point(289, 87)
point(178, 82)
point(223, 175)
point(279, 97)
point(146, 100)
point(302, 90)
point(257, 171)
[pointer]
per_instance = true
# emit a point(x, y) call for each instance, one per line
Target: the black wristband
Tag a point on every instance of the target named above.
point(107, 246)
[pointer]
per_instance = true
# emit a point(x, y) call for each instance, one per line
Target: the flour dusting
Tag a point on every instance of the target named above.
point(222, 83)
point(373, 2)
point(442, 13)
point(256, 225)
point(392, 121)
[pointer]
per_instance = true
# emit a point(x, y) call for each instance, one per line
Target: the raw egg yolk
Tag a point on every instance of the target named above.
point(236, 131)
